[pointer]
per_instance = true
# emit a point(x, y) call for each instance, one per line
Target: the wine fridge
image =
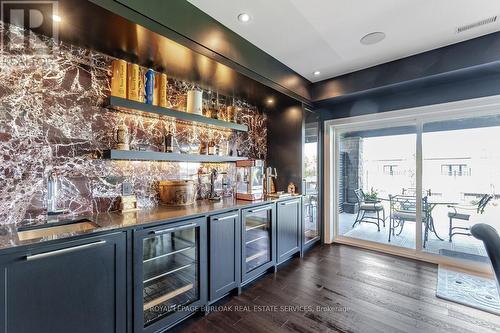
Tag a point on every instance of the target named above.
point(170, 270)
point(258, 245)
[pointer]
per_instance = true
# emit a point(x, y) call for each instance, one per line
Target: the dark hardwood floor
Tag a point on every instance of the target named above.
point(339, 288)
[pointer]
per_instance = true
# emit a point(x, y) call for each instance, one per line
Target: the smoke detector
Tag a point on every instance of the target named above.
point(477, 24)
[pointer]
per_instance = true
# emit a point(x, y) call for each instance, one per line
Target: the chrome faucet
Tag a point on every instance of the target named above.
point(213, 177)
point(52, 195)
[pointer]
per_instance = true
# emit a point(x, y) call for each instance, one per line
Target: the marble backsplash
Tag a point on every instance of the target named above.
point(52, 119)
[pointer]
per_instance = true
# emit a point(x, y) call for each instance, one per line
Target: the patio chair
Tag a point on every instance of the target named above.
point(464, 213)
point(491, 241)
point(412, 191)
point(403, 208)
point(369, 206)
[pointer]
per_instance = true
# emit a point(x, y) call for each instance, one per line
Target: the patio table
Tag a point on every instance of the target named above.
point(431, 204)
point(429, 225)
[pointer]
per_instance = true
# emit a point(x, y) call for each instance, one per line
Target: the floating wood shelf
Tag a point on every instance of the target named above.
point(136, 155)
point(123, 104)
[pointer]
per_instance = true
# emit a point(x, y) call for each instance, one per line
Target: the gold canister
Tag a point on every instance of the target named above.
point(163, 90)
point(177, 192)
point(119, 78)
point(133, 82)
point(142, 83)
point(156, 89)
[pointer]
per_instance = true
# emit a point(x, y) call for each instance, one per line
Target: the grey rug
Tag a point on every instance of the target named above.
point(470, 290)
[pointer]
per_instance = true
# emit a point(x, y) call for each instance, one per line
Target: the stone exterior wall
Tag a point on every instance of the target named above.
point(353, 147)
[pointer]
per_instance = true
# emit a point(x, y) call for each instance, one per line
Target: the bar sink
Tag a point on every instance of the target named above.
point(55, 228)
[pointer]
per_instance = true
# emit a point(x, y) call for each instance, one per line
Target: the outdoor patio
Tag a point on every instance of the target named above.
point(460, 243)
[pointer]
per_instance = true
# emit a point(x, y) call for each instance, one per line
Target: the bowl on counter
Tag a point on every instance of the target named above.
point(177, 192)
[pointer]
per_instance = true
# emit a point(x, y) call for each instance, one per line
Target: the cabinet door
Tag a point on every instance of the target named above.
point(288, 228)
point(224, 254)
point(77, 286)
point(258, 252)
point(169, 273)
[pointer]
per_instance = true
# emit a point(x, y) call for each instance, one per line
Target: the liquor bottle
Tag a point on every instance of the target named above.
point(204, 148)
point(169, 142)
point(231, 112)
point(213, 109)
point(217, 150)
point(211, 147)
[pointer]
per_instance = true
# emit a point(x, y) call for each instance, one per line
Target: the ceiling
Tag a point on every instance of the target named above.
point(324, 35)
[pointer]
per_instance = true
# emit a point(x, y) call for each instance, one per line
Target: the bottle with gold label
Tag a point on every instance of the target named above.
point(163, 90)
point(169, 141)
point(211, 147)
point(119, 78)
point(133, 82)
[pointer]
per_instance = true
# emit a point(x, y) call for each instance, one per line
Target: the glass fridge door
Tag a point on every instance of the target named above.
point(257, 238)
point(170, 271)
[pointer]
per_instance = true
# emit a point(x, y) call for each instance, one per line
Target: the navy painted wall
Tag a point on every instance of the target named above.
point(470, 83)
point(456, 57)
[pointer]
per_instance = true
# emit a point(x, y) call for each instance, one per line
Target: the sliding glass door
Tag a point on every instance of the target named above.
point(376, 168)
point(415, 181)
point(461, 169)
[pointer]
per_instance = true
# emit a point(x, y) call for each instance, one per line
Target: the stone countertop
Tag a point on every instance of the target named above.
point(9, 238)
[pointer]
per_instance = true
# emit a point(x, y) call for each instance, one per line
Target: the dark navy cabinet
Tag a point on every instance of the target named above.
point(170, 273)
point(258, 241)
point(145, 279)
point(76, 286)
point(224, 254)
point(288, 232)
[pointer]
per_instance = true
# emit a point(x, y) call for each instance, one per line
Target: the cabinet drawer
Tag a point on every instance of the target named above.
point(76, 286)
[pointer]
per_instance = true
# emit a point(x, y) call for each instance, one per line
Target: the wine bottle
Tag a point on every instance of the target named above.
point(211, 147)
point(169, 142)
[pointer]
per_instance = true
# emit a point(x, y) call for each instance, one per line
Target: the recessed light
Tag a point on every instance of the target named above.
point(372, 38)
point(56, 18)
point(316, 73)
point(270, 101)
point(244, 17)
